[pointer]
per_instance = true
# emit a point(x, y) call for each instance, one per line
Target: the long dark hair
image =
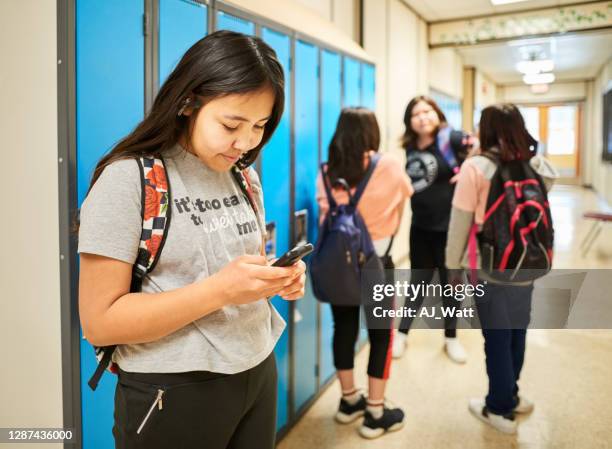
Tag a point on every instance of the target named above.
point(357, 132)
point(220, 64)
point(409, 139)
point(502, 126)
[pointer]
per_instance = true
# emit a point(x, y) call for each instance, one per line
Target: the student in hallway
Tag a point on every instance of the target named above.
point(194, 348)
point(434, 154)
point(504, 309)
point(353, 147)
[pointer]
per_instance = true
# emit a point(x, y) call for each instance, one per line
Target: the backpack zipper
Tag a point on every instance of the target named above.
point(157, 402)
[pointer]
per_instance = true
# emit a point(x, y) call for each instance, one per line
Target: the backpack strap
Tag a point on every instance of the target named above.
point(390, 246)
point(364, 182)
point(328, 189)
point(156, 214)
point(244, 182)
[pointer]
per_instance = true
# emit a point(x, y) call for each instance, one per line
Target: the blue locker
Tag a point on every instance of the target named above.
point(368, 86)
point(109, 103)
point(330, 111)
point(181, 24)
point(227, 21)
point(306, 166)
point(352, 83)
point(276, 176)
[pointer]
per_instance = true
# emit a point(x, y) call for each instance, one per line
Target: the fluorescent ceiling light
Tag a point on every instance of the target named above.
point(505, 2)
point(539, 78)
point(536, 66)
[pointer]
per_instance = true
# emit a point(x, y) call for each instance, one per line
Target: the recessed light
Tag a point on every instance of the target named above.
point(539, 78)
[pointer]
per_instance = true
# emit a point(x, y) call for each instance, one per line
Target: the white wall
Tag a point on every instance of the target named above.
point(343, 13)
point(446, 71)
point(485, 90)
point(397, 40)
point(559, 91)
point(31, 377)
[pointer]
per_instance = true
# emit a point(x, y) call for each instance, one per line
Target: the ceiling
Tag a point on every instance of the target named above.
point(435, 10)
point(576, 56)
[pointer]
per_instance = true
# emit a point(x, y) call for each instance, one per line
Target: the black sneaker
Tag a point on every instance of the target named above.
point(348, 413)
point(392, 419)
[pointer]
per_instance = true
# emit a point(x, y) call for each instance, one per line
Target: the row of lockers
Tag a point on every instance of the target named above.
point(111, 77)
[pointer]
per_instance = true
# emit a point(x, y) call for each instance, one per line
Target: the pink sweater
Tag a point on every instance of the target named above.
point(382, 201)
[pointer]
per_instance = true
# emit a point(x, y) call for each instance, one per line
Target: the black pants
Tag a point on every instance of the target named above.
point(198, 409)
point(504, 313)
point(427, 253)
point(346, 331)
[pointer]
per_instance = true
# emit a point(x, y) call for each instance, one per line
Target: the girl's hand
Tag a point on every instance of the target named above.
point(296, 289)
point(248, 279)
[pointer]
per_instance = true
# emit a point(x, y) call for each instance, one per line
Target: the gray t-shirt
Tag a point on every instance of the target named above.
point(212, 223)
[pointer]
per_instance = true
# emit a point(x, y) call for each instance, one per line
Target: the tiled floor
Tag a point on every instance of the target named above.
point(567, 374)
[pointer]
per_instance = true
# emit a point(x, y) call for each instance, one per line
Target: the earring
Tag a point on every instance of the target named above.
point(184, 106)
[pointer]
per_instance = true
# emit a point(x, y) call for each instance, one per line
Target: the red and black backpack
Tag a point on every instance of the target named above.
point(516, 238)
point(156, 213)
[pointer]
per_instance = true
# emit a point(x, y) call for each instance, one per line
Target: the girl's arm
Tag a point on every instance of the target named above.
point(110, 314)
point(465, 201)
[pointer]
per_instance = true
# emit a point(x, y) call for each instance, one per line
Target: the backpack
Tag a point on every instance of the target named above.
point(156, 214)
point(516, 238)
point(344, 248)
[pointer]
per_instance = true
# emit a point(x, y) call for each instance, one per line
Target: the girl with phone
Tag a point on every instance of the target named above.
point(194, 346)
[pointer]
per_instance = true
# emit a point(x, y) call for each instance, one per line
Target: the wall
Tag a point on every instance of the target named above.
point(397, 40)
point(446, 71)
point(559, 91)
point(343, 13)
point(485, 90)
point(30, 380)
point(598, 173)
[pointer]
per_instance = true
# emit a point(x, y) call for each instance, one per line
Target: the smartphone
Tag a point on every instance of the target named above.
point(293, 255)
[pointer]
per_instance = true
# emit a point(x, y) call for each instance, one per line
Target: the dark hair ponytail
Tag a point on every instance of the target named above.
point(220, 64)
point(357, 132)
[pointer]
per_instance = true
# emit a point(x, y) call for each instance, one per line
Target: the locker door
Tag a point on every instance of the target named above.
point(276, 173)
point(306, 132)
point(368, 86)
point(330, 109)
point(352, 82)
point(181, 24)
point(227, 21)
point(109, 103)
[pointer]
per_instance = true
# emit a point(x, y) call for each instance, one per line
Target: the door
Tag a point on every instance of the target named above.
point(109, 103)
point(181, 24)
point(276, 181)
point(306, 131)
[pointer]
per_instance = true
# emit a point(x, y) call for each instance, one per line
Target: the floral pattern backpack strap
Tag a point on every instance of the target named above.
point(156, 214)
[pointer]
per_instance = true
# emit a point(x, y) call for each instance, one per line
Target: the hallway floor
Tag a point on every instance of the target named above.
point(566, 374)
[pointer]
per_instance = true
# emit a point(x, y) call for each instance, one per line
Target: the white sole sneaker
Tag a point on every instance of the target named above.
point(343, 418)
point(500, 423)
point(371, 434)
point(455, 350)
point(524, 406)
point(399, 344)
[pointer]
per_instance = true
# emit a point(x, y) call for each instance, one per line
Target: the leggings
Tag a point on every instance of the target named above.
point(427, 253)
point(346, 330)
point(198, 409)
